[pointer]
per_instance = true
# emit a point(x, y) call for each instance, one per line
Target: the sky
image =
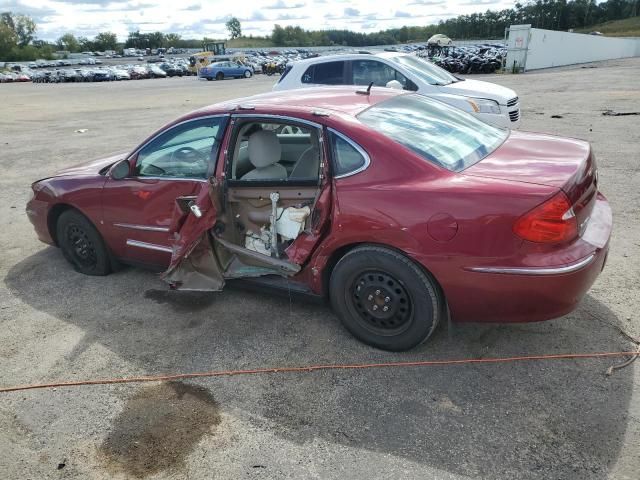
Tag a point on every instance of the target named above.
point(198, 18)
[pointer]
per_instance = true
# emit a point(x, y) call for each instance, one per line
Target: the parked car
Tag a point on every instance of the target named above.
point(222, 70)
point(102, 75)
point(154, 71)
point(399, 208)
point(491, 103)
point(439, 39)
point(172, 70)
point(137, 72)
point(120, 74)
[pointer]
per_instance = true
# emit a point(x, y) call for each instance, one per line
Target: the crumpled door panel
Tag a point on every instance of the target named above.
point(193, 265)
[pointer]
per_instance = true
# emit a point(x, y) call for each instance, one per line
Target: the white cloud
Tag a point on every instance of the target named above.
point(197, 18)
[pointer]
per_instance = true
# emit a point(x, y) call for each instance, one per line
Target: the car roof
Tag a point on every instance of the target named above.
point(342, 99)
point(346, 56)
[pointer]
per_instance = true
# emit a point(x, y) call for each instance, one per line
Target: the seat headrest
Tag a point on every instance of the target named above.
point(264, 148)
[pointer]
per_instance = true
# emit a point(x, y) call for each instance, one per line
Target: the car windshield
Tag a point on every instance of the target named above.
point(440, 134)
point(431, 73)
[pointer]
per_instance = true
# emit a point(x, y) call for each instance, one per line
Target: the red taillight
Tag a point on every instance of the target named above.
point(551, 222)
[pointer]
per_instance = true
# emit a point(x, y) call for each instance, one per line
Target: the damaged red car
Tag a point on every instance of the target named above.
point(398, 208)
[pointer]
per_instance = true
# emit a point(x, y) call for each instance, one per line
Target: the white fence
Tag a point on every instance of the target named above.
point(534, 48)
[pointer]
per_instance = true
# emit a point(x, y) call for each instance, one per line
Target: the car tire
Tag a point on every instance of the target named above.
point(247, 74)
point(370, 279)
point(219, 76)
point(81, 244)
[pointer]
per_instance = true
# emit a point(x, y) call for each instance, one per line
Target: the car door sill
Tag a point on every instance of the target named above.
point(277, 285)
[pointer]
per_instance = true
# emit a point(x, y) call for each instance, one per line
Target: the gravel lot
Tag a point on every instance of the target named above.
point(553, 419)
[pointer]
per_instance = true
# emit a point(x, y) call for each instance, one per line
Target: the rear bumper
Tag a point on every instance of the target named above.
point(528, 292)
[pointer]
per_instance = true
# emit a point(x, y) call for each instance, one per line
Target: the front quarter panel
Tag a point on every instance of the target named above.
point(82, 193)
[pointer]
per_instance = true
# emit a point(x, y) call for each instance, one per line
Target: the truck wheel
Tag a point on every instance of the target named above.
point(384, 299)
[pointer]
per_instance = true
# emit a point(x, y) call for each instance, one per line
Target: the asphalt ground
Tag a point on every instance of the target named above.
point(560, 419)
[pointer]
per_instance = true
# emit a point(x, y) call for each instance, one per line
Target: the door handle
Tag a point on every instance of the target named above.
point(195, 210)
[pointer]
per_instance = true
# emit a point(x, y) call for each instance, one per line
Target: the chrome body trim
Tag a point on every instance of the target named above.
point(361, 151)
point(276, 117)
point(573, 267)
point(148, 228)
point(149, 246)
point(173, 179)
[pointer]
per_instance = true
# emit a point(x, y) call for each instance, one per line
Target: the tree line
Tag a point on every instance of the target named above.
point(18, 41)
point(547, 14)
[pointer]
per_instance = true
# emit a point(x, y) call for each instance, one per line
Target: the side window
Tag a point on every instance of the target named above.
point(347, 157)
point(184, 151)
point(366, 71)
point(328, 73)
point(275, 151)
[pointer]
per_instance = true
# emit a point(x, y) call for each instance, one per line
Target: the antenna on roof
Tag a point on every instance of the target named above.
point(367, 91)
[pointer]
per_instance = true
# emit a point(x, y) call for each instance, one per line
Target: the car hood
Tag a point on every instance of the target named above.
point(535, 158)
point(480, 89)
point(91, 167)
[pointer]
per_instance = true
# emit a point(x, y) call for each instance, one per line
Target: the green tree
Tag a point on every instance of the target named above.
point(68, 42)
point(25, 29)
point(8, 40)
point(105, 41)
point(156, 40)
point(85, 45)
point(233, 25)
point(172, 39)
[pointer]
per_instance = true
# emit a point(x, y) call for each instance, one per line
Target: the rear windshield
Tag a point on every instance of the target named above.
point(439, 133)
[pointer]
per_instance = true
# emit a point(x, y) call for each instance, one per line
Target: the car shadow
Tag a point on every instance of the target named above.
point(545, 419)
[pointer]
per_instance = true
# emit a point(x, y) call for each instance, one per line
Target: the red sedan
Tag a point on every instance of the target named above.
point(400, 209)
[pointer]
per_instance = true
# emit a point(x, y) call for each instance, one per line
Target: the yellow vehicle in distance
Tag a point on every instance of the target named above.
point(212, 52)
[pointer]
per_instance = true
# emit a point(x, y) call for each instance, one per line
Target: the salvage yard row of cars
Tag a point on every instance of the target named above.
point(399, 209)
point(98, 74)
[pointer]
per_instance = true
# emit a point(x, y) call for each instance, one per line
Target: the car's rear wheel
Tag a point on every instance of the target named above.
point(247, 74)
point(384, 299)
point(220, 76)
point(81, 244)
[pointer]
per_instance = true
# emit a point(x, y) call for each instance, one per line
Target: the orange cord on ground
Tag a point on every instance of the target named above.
point(311, 368)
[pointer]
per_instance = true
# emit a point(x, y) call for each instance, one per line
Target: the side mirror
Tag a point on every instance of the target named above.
point(121, 170)
point(394, 84)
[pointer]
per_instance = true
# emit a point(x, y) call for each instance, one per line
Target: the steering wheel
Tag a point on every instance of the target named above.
point(189, 155)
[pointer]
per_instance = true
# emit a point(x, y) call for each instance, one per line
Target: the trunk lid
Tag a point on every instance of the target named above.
point(564, 163)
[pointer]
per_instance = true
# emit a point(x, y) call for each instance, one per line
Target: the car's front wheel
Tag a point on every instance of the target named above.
point(247, 74)
point(81, 244)
point(384, 299)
